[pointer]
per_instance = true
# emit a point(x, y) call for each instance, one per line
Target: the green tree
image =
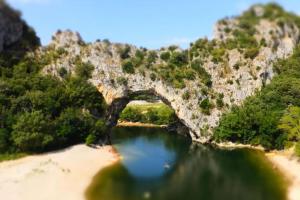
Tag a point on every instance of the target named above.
point(290, 123)
point(32, 132)
point(4, 143)
point(72, 126)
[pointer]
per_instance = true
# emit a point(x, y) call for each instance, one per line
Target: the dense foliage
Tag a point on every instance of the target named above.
point(39, 112)
point(156, 113)
point(266, 118)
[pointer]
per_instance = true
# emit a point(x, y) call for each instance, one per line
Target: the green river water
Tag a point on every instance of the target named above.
point(158, 165)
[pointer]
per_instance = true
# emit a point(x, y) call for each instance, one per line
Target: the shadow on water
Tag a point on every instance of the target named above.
point(161, 166)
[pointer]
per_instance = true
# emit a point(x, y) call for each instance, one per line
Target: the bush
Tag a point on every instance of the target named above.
point(220, 103)
point(205, 106)
point(122, 81)
point(202, 73)
point(152, 56)
point(4, 143)
point(32, 132)
point(252, 52)
point(165, 56)
point(179, 58)
point(152, 76)
point(62, 72)
point(217, 55)
point(71, 127)
point(91, 139)
point(124, 52)
point(84, 70)
point(127, 67)
point(290, 123)
point(186, 95)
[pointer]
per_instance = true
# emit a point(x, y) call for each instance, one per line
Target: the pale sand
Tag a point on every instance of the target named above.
point(62, 175)
point(290, 167)
point(231, 145)
point(139, 124)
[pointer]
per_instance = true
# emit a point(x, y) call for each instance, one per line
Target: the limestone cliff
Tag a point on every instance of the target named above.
point(199, 83)
point(11, 27)
point(16, 37)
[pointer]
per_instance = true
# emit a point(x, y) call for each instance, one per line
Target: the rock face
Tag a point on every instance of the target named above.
point(118, 87)
point(11, 26)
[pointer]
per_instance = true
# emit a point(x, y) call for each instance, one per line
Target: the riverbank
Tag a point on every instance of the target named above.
point(61, 175)
point(284, 161)
point(139, 124)
point(289, 165)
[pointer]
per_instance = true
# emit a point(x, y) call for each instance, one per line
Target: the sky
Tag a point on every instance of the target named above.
point(147, 23)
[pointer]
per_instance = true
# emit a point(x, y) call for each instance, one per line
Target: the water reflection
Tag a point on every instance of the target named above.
point(159, 166)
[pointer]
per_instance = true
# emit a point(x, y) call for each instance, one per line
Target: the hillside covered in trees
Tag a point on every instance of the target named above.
point(50, 96)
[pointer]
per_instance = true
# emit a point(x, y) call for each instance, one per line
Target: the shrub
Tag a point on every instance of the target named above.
point(152, 76)
point(202, 73)
point(219, 101)
point(252, 52)
point(205, 106)
point(124, 52)
point(290, 123)
point(91, 139)
point(217, 55)
point(152, 56)
point(140, 54)
point(165, 56)
point(32, 132)
point(4, 143)
point(71, 127)
point(179, 58)
point(127, 67)
point(186, 95)
point(62, 72)
point(122, 81)
point(84, 70)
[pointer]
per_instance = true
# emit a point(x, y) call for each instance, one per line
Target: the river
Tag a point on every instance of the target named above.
point(159, 165)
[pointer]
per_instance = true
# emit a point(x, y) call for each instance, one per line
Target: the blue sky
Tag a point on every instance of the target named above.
point(147, 23)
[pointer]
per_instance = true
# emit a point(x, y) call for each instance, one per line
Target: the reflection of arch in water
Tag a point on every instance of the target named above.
point(201, 172)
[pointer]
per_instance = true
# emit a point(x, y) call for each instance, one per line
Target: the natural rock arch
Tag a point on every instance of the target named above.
point(117, 106)
point(236, 78)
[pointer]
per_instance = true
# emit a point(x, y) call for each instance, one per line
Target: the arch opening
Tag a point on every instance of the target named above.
point(151, 97)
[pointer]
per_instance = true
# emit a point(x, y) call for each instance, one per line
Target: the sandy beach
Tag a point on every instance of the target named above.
point(61, 175)
point(290, 167)
point(139, 124)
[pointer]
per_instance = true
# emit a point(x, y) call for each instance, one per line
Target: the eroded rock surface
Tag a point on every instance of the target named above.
point(11, 27)
point(234, 83)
